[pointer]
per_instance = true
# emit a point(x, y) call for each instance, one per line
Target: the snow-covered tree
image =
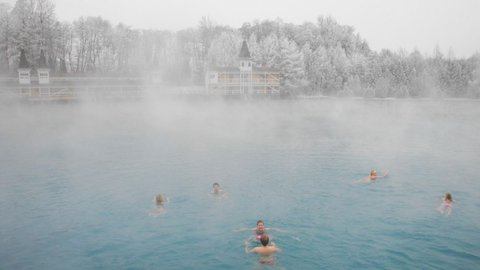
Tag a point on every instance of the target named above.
point(474, 83)
point(45, 25)
point(269, 52)
point(254, 49)
point(341, 65)
point(34, 28)
point(224, 49)
point(124, 43)
point(24, 28)
point(321, 73)
point(354, 86)
point(63, 46)
point(291, 64)
point(7, 46)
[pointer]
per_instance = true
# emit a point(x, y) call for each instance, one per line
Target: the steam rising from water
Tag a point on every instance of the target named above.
point(84, 175)
point(382, 128)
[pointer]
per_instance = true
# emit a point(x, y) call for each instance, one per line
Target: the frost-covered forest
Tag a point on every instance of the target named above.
point(317, 58)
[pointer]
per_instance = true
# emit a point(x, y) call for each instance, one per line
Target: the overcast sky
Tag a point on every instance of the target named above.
point(407, 24)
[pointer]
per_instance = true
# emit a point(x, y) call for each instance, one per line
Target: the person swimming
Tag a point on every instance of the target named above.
point(160, 201)
point(216, 188)
point(260, 230)
point(217, 191)
point(266, 252)
point(373, 176)
point(447, 203)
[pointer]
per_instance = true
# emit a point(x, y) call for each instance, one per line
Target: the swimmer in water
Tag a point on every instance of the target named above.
point(372, 177)
point(260, 230)
point(265, 251)
point(217, 191)
point(447, 203)
point(160, 201)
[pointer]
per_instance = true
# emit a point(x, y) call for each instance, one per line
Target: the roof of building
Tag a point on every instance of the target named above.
point(244, 52)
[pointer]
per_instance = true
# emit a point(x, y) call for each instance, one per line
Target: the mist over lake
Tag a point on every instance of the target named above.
point(78, 180)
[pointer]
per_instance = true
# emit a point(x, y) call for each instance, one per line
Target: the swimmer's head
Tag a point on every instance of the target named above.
point(159, 199)
point(264, 240)
point(448, 196)
point(260, 224)
point(373, 173)
point(216, 187)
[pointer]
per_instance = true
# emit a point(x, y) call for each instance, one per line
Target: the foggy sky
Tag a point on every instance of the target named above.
point(407, 24)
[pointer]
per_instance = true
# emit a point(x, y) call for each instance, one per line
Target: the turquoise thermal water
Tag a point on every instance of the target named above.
point(77, 183)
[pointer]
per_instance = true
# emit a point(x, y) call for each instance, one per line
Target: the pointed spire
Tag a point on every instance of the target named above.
point(244, 53)
point(23, 60)
point(42, 62)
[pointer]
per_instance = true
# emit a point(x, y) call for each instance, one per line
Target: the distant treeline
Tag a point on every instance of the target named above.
point(315, 58)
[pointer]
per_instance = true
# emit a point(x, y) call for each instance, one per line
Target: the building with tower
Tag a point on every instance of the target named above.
point(244, 79)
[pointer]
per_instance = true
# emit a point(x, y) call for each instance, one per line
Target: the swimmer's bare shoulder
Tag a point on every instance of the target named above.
point(274, 247)
point(268, 250)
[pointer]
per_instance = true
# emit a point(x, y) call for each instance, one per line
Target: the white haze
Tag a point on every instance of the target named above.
point(382, 130)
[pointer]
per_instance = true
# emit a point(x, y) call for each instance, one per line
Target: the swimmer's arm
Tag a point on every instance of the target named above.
point(384, 175)
point(247, 249)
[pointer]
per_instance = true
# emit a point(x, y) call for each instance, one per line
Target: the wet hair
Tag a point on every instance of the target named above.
point(448, 196)
point(260, 221)
point(216, 184)
point(264, 240)
point(159, 199)
point(373, 172)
